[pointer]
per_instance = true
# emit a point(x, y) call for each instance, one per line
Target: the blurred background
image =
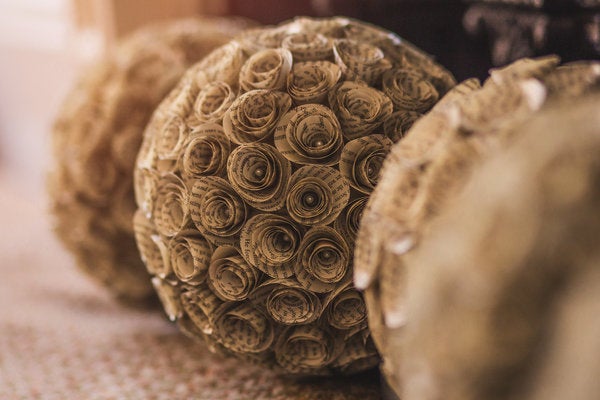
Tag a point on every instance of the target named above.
point(43, 43)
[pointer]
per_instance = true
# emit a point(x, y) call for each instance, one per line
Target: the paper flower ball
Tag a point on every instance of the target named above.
point(424, 172)
point(513, 303)
point(252, 178)
point(96, 138)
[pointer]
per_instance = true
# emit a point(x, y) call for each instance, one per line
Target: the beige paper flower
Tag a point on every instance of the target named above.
point(360, 60)
point(230, 276)
point(348, 222)
point(362, 159)
point(252, 116)
point(189, 254)
point(217, 210)
point(409, 90)
point(306, 349)
point(308, 46)
point(311, 81)
point(287, 302)
point(205, 152)
point(212, 102)
point(260, 174)
point(270, 242)
point(323, 261)
point(359, 108)
point(398, 123)
point(317, 195)
point(310, 134)
point(242, 329)
point(171, 210)
point(267, 69)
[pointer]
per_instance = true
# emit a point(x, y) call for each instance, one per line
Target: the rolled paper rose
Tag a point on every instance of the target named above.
point(317, 195)
point(323, 260)
point(200, 304)
point(169, 297)
point(189, 256)
point(311, 81)
point(398, 123)
point(175, 126)
point(205, 152)
point(359, 352)
point(150, 245)
point(346, 308)
point(284, 176)
point(242, 328)
point(217, 210)
point(212, 102)
point(362, 159)
point(308, 46)
point(359, 108)
point(409, 90)
point(348, 222)
point(260, 174)
point(252, 116)
point(230, 276)
point(359, 60)
point(310, 134)
point(145, 180)
point(287, 302)
point(171, 210)
point(306, 348)
point(270, 242)
point(267, 69)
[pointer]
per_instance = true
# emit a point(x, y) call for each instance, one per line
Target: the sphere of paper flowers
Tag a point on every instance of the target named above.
point(527, 259)
point(424, 173)
point(96, 138)
point(252, 178)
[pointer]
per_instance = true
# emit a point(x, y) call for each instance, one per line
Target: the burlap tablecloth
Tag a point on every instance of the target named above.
point(61, 337)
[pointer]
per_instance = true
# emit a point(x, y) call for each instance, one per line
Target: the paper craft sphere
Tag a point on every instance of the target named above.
point(505, 301)
point(97, 136)
point(252, 178)
point(425, 171)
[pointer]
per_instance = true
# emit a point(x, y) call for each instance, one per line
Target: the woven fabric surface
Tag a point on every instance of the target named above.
point(61, 337)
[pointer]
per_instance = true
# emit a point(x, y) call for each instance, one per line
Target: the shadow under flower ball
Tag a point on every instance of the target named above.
point(252, 179)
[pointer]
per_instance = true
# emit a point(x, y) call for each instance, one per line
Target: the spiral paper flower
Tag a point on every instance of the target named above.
point(362, 159)
point(310, 134)
point(323, 261)
point(260, 174)
point(97, 135)
point(252, 116)
point(205, 152)
point(277, 139)
point(359, 108)
point(310, 81)
point(217, 210)
point(267, 69)
point(230, 276)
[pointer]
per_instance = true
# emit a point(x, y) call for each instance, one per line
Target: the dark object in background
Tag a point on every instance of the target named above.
point(512, 32)
point(546, 4)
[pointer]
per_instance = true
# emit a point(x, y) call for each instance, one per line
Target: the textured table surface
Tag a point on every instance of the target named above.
point(61, 337)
